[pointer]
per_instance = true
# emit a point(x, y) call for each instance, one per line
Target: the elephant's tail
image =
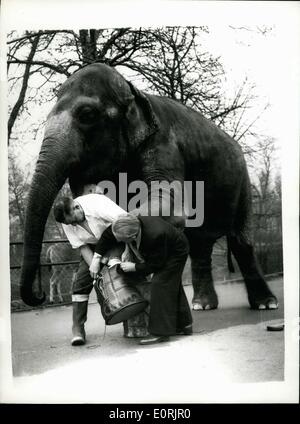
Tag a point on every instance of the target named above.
point(229, 258)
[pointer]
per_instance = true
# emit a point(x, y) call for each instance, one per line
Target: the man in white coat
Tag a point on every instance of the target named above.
point(84, 219)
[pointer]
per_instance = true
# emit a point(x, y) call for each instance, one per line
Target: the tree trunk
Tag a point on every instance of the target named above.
point(20, 101)
point(88, 40)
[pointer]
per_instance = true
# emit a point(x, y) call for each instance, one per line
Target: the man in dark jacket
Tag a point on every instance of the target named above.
point(160, 249)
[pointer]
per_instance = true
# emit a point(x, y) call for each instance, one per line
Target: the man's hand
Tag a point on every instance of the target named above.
point(95, 266)
point(127, 266)
point(104, 260)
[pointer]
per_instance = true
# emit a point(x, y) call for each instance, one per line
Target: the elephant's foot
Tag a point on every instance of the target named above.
point(136, 332)
point(136, 326)
point(205, 301)
point(267, 303)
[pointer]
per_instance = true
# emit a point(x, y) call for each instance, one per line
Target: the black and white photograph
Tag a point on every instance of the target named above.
point(149, 203)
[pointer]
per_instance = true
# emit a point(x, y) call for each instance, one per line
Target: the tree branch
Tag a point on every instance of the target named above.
point(55, 68)
point(40, 33)
point(20, 101)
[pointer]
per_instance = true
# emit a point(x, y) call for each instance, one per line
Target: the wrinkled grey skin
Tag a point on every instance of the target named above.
point(101, 125)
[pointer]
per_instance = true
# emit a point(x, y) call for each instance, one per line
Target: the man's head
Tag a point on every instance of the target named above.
point(68, 211)
point(126, 228)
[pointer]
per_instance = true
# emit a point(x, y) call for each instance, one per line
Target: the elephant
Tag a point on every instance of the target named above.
point(101, 126)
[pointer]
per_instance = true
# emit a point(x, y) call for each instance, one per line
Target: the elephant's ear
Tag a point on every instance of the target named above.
point(142, 122)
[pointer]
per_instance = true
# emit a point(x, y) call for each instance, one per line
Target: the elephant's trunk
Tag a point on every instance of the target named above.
point(50, 174)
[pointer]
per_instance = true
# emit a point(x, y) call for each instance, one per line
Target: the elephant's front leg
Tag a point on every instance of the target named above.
point(164, 199)
point(162, 171)
point(205, 296)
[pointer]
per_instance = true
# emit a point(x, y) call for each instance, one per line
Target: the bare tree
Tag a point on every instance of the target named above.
point(15, 110)
point(18, 183)
point(267, 208)
point(171, 61)
point(175, 64)
point(43, 59)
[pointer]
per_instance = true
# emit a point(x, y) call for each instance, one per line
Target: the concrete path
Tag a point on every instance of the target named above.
point(229, 346)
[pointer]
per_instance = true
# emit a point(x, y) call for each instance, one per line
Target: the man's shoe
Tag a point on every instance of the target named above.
point(186, 331)
point(151, 339)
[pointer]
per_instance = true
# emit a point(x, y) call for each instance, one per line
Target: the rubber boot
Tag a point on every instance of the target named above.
point(79, 318)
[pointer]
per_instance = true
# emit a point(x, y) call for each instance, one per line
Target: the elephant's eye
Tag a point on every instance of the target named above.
point(87, 115)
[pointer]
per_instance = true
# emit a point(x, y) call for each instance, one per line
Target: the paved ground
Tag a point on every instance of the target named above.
point(229, 345)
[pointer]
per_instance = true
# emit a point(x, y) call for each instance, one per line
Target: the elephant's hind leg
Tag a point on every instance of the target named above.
point(259, 294)
point(205, 296)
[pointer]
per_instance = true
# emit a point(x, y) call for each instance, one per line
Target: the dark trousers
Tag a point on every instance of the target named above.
point(169, 308)
point(83, 283)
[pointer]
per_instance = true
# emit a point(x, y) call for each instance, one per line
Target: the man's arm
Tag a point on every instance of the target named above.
point(106, 242)
point(87, 254)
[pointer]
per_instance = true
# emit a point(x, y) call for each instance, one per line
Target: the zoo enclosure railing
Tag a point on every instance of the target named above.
point(64, 267)
point(15, 243)
point(64, 261)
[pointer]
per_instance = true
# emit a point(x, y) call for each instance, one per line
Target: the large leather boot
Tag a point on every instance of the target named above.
point(79, 318)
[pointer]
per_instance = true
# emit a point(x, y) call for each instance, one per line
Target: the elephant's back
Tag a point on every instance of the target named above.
point(209, 155)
